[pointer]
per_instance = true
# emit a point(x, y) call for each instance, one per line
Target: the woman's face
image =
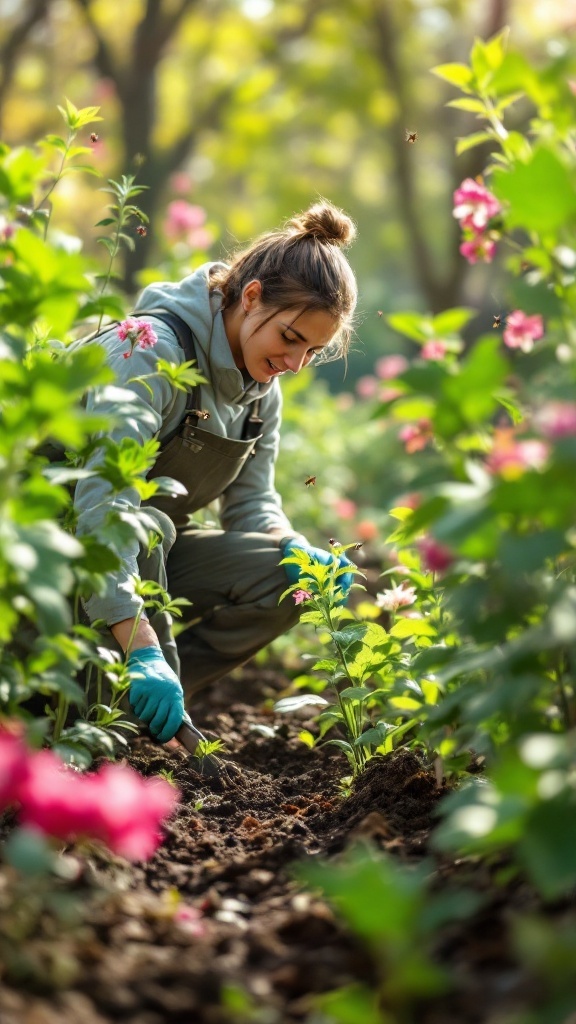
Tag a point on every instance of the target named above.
point(287, 341)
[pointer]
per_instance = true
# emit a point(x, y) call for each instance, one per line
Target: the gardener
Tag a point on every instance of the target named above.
point(286, 300)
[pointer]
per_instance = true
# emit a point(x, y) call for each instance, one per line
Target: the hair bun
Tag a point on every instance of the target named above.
point(326, 223)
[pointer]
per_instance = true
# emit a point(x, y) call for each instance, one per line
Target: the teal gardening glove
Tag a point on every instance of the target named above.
point(294, 572)
point(156, 696)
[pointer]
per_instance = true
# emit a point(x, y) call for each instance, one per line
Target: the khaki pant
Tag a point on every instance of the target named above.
point(234, 583)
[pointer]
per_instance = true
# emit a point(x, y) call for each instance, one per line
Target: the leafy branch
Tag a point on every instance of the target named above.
point(74, 120)
point(122, 212)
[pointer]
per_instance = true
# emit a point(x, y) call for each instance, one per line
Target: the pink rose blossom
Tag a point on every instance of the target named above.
point(301, 595)
point(556, 420)
point(510, 458)
point(366, 387)
point(137, 333)
point(434, 349)
point(389, 367)
point(480, 247)
point(395, 598)
point(522, 331)
point(474, 205)
point(436, 557)
point(416, 435)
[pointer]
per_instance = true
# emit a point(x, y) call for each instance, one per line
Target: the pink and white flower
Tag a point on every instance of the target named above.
point(478, 248)
point(556, 420)
point(390, 367)
point(137, 333)
point(416, 435)
point(436, 348)
point(474, 205)
point(510, 457)
point(396, 597)
point(522, 331)
point(300, 596)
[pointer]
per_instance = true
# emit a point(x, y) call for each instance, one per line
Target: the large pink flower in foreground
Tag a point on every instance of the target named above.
point(522, 331)
point(474, 205)
point(115, 805)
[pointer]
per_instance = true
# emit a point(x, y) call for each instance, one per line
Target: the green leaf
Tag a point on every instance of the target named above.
point(404, 628)
point(457, 74)
point(470, 141)
point(540, 193)
point(547, 846)
point(451, 321)
point(474, 106)
point(413, 325)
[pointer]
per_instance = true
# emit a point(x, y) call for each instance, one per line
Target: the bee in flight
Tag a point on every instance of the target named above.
point(93, 137)
point(310, 481)
point(411, 136)
point(359, 544)
point(497, 318)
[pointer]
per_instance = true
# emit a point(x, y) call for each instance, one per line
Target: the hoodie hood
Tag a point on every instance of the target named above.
point(201, 309)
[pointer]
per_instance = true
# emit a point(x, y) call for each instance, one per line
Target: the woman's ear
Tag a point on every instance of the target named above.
point(251, 295)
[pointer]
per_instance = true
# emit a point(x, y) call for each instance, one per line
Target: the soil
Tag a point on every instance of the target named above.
point(263, 946)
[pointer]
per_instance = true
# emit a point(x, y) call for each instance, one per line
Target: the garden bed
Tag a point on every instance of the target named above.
point(263, 946)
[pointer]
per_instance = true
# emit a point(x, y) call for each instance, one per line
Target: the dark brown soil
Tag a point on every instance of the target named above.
point(267, 945)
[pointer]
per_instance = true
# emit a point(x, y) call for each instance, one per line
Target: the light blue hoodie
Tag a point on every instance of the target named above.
point(251, 502)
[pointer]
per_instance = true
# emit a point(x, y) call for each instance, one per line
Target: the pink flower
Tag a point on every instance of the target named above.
point(181, 182)
point(480, 247)
point(183, 217)
point(13, 767)
point(474, 205)
point(366, 387)
point(395, 598)
point(436, 557)
point(510, 458)
point(136, 332)
point(116, 805)
point(389, 367)
point(434, 349)
point(345, 508)
point(522, 331)
point(389, 394)
point(200, 238)
point(367, 530)
point(416, 435)
point(556, 420)
point(301, 595)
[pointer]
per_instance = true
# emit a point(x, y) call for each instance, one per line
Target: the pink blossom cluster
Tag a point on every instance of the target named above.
point(511, 457)
point(416, 436)
point(556, 420)
point(137, 333)
point(114, 805)
point(435, 349)
point(436, 557)
point(186, 222)
point(522, 331)
point(300, 596)
point(474, 208)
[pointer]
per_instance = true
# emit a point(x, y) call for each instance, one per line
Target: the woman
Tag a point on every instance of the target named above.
point(286, 300)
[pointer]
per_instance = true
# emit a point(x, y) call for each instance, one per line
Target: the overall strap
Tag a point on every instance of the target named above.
point(192, 412)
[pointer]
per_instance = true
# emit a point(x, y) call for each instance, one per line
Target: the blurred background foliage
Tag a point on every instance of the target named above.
point(237, 113)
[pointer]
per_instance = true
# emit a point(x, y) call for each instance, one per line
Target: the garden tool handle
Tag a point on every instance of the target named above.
point(188, 735)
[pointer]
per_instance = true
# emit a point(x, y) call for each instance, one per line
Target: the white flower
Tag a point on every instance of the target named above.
point(397, 597)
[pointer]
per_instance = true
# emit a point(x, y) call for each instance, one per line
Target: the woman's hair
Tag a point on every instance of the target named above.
point(301, 267)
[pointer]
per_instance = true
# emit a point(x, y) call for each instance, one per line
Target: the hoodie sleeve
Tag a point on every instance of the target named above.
point(251, 503)
point(94, 498)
